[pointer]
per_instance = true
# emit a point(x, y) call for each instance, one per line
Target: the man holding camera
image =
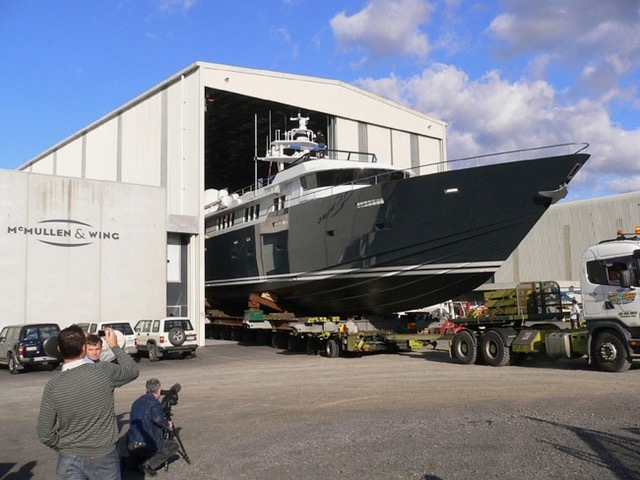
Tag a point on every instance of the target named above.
point(147, 426)
point(77, 415)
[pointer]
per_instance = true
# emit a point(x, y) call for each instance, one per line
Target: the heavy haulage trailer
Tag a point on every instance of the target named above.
point(528, 323)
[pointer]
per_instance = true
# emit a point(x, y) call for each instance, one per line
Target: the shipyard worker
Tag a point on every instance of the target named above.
point(147, 427)
point(574, 315)
point(77, 417)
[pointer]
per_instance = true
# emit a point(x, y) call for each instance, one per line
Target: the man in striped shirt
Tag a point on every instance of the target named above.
point(77, 414)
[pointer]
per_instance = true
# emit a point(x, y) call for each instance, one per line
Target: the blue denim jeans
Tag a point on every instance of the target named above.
point(76, 467)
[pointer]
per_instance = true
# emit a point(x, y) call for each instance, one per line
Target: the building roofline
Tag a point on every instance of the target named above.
point(216, 66)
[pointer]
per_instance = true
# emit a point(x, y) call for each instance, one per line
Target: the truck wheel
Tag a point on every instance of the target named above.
point(153, 352)
point(609, 353)
point(13, 365)
point(332, 349)
point(464, 347)
point(177, 336)
point(494, 352)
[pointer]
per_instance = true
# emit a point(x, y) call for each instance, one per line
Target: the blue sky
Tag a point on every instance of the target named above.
point(503, 74)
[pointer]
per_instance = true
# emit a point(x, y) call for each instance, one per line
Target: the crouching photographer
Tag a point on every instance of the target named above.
point(148, 429)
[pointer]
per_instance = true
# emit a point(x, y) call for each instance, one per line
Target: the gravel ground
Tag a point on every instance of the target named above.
point(253, 412)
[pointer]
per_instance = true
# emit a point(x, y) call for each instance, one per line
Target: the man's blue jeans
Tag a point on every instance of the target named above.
point(76, 467)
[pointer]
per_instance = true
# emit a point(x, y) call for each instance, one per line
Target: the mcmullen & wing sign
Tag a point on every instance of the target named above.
point(63, 233)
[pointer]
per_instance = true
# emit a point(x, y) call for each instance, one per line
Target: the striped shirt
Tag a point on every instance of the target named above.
point(77, 414)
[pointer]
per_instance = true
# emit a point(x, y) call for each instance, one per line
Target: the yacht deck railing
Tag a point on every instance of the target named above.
point(523, 154)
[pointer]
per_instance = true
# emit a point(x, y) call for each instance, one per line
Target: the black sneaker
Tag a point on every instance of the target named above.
point(146, 469)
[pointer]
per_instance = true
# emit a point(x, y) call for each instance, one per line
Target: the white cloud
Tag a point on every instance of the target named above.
point(385, 27)
point(169, 7)
point(603, 35)
point(282, 34)
point(589, 48)
point(491, 114)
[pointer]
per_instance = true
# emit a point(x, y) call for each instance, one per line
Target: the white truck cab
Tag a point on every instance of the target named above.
point(609, 280)
point(610, 302)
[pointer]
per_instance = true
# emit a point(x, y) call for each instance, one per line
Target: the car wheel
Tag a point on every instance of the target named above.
point(176, 336)
point(13, 365)
point(153, 352)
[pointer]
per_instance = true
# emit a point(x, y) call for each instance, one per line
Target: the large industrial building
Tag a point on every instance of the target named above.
point(108, 224)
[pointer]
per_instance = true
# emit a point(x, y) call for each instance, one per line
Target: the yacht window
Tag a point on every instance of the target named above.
point(251, 213)
point(358, 176)
point(226, 221)
point(278, 203)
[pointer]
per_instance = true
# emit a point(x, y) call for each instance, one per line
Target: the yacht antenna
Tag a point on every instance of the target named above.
point(255, 152)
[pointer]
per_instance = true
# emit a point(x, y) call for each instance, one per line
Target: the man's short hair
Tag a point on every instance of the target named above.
point(93, 339)
point(70, 342)
point(153, 385)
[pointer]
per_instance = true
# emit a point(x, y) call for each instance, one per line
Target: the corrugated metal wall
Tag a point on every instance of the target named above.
point(154, 141)
point(552, 250)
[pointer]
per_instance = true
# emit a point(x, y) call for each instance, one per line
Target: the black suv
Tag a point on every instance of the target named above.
point(22, 346)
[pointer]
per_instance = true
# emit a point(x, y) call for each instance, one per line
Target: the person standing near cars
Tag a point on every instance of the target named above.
point(77, 413)
point(96, 352)
point(94, 348)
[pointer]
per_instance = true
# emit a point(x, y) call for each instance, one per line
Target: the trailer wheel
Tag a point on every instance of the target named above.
point(332, 349)
point(494, 352)
point(294, 344)
point(263, 337)
point(609, 353)
point(311, 346)
point(464, 347)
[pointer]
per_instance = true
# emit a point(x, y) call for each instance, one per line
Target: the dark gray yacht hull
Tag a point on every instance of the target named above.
point(390, 247)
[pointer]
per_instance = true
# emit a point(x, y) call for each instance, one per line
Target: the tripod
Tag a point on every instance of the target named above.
point(170, 399)
point(181, 450)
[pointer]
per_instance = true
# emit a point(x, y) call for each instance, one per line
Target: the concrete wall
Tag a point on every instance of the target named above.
point(78, 250)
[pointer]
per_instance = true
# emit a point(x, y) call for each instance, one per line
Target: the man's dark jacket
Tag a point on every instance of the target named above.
point(147, 423)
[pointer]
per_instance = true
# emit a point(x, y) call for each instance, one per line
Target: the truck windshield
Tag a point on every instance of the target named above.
point(613, 271)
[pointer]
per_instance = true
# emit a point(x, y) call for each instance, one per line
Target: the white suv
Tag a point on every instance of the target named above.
point(166, 335)
point(130, 343)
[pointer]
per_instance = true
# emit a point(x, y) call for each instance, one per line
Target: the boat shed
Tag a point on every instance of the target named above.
point(108, 224)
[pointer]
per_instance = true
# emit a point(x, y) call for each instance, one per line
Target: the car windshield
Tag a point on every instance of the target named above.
point(184, 324)
point(124, 328)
